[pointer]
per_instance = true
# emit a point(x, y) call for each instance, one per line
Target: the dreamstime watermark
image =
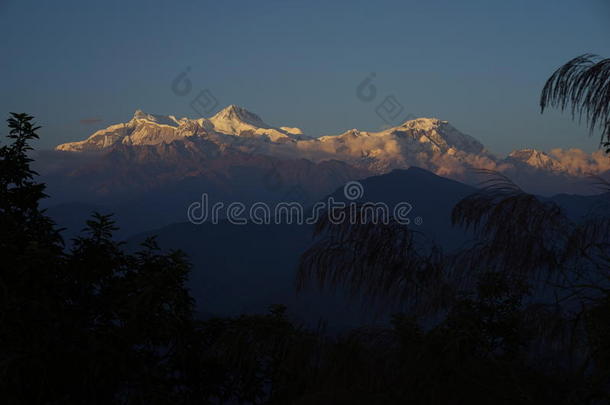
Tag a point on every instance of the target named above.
point(204, 103)
point(389, 109)
point(338, 211)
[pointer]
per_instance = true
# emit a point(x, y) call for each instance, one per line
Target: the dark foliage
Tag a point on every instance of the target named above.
point(515, 232)
point(582, 86)
point(521, 310)
point(89, 325)
point(96, 324)
point(382, 261)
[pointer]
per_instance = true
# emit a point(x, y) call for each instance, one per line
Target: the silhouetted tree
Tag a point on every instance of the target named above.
point(526, 300)
point(380, 261)
point(89, 325)
point(583, 86)
point(97, 324)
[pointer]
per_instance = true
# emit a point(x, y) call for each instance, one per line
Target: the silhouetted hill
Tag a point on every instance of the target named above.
point(245, 268)
point(432, 198)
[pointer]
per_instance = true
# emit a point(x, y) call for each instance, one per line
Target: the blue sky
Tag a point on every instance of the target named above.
point(80, 66)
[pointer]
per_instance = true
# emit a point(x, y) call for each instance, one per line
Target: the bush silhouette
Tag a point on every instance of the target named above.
point(95, 324)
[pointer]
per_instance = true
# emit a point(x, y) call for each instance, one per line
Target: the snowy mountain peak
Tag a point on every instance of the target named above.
point(430, 143)
point(535, 159)
point(425, 124)
point(170, 120)
point(529, 154)
point(412, 140)
point(234, 112)
point(353, 131)
point(292, 130)
point(235, 120)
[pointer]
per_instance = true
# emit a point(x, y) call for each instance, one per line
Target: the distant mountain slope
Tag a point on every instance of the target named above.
point(151, 192)
point(239, 268)
point(181, 147)
point(432, 198)
point(245, 268)
point(424, 142)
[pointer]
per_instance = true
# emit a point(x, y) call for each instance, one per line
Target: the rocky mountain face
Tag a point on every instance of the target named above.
point(230, 149)
point(535, 159)
point(226, 283)
point(426, 142)
point(151, 129)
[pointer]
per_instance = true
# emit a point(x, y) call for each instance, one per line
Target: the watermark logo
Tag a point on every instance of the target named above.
point(204, 103)
point(389, 110)
point(337, 211)
point(353, 190)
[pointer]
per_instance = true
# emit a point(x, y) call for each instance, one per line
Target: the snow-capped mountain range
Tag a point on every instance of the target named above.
point(152, 129)
point(430, 143)
point(415, 142)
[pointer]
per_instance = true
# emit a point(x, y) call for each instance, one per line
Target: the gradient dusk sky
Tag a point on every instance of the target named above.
point(80, 66)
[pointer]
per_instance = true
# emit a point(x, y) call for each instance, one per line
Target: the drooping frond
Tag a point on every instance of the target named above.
point(590, 240)
point(380, 261)
point(600, 183)
point(497, 183)
point(556, 332)
point(516, 231)
point(582, 86)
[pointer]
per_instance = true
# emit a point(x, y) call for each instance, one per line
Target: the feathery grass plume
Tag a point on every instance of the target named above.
point(515, 231)
point(386, 263)
point(582, 86)
point(600, 183)
point(589, 243)
point(265, 357)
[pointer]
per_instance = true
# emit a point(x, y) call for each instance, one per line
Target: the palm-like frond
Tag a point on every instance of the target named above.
point(600, 183)
point(582, 86)
point(380, 261)
point(516, 231)
point(590, 240)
